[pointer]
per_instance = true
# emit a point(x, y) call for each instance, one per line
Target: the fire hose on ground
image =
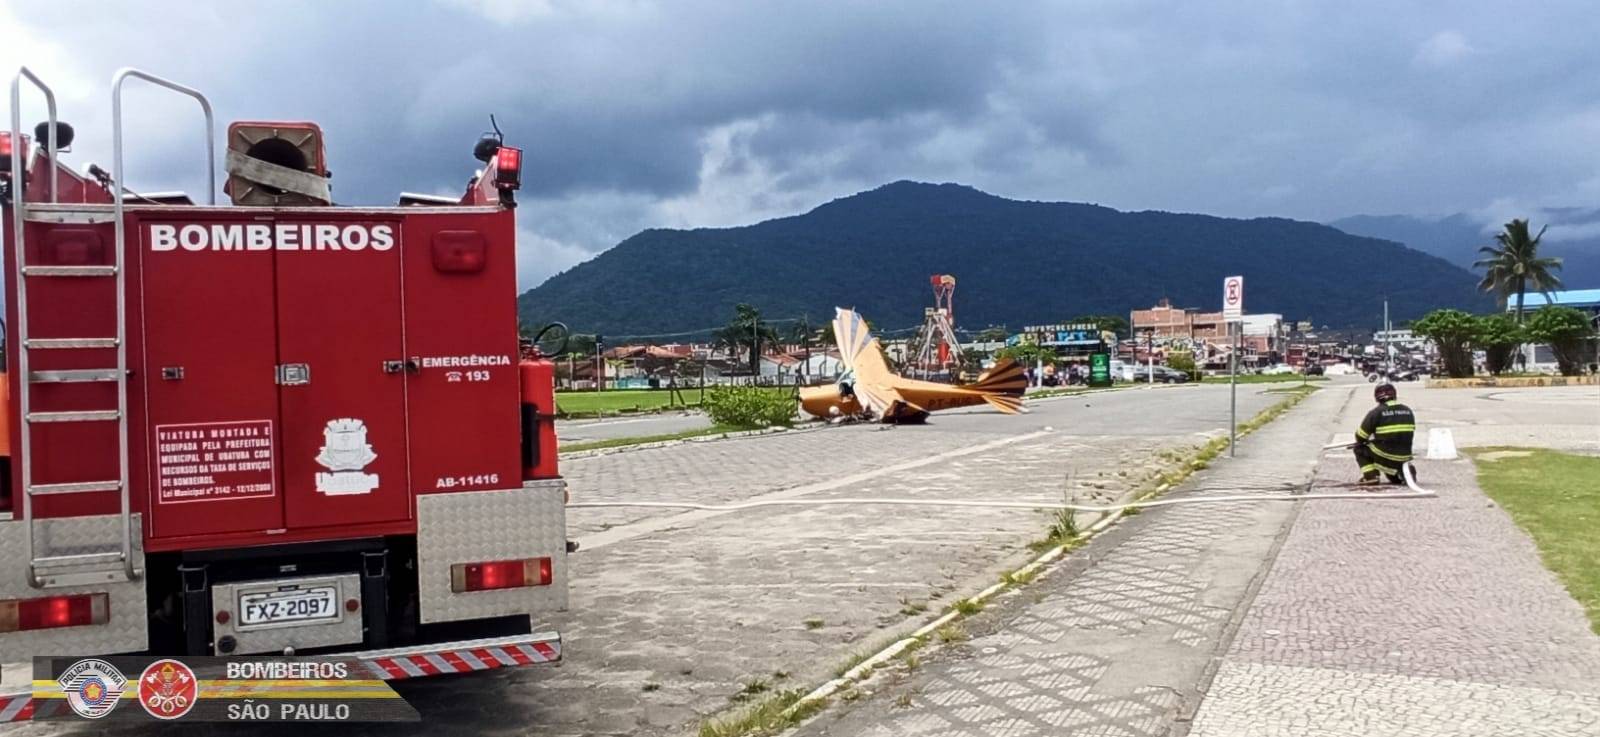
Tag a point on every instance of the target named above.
point(1416, 492)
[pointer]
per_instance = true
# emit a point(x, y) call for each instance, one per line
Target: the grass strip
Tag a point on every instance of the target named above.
point(769, 716)
point(1555, 497)
point(617, 401)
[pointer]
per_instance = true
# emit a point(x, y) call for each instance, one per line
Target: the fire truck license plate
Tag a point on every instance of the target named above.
point(293, 605)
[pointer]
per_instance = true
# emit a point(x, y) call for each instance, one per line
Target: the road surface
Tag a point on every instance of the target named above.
point(569, 432)
point(678, 616)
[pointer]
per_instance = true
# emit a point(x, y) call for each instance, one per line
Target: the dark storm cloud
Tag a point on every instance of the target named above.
point(602, 100)
point(641, 114)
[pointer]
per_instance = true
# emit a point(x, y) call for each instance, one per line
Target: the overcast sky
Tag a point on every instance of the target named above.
point(685, 113)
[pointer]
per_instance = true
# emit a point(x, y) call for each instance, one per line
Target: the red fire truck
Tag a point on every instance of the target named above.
point(278, 426)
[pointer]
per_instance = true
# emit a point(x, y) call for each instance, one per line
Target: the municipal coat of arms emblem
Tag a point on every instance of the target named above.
point(346, 453)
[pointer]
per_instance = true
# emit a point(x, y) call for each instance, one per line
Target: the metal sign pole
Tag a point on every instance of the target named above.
point(1233, 394)
point(1233, 313)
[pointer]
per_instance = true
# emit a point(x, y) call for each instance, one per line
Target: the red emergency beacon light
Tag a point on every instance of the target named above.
point(366, 466)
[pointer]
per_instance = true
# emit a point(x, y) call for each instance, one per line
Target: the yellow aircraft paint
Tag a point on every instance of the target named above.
point(869, 388)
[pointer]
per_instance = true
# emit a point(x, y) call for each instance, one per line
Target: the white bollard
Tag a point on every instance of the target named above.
point(1441, 444)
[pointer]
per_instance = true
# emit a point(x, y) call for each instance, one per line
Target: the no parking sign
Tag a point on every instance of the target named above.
point(1233, 298)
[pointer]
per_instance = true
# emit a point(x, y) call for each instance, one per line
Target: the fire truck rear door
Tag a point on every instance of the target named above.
point(209, 347)
point(342, 373)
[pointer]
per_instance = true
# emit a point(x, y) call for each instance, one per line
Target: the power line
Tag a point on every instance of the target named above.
point(615, 339)
point(685, 333)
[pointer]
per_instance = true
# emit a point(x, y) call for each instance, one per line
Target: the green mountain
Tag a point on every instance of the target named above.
point(1015, 263)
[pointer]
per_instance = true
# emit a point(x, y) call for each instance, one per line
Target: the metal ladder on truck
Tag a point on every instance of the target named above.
point(89, 562)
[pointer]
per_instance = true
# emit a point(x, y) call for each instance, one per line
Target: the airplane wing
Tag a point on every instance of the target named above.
point(879, 389)
point(874, 383)
point(850, 331)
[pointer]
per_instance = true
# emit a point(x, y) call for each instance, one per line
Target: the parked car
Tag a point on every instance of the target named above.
point(1161, 375)
point(1340, 369)
point(1277, 370)
point(1314, 369)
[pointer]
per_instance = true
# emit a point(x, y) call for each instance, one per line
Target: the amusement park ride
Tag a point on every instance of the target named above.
point(938, 352)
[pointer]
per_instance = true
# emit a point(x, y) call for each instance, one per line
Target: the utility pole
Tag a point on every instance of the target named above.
point(805, 335)
point(1150, 356)
point(1388, 353)
point(599, 363)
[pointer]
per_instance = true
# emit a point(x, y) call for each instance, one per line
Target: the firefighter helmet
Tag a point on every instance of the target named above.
point(1384, 392)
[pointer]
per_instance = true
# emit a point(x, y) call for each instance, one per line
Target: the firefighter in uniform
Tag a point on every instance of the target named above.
point(1383, 442)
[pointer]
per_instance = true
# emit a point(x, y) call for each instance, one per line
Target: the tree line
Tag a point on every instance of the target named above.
point(1512, 266)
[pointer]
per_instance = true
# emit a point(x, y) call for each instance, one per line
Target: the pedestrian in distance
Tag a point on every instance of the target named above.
point(1383, 442)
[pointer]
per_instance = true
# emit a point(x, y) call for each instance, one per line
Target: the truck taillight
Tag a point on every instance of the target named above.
point(22, 615)
point(500, 574)
point(508, 168)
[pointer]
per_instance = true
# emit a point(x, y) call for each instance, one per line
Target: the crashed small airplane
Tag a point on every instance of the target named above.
point(868, 389)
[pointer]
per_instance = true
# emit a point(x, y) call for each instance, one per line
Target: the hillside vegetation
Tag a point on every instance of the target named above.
point(1016, 263)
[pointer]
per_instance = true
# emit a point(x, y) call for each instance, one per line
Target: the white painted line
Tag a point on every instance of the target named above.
point(645, 527)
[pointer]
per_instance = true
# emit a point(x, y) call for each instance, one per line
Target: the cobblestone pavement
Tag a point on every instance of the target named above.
point(675, 615)
point(1118, 638)
point(1428, 619)
point(1564, 418)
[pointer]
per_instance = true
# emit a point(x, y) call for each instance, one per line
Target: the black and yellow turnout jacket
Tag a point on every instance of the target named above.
point(1387, 431)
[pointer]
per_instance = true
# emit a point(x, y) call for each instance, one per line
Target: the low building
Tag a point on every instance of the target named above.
point(1540, 357)
point(821, 365)
point(1399, 339)
point(780, 366)
point(1587, 300)
point(1165, 321)
point(1265, 339)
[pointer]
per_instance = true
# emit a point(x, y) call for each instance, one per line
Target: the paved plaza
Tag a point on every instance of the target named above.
point(1404, 617)
point(1413, 617)
point(1440, 620)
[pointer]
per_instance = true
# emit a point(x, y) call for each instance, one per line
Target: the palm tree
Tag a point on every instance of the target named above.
point(747, 329)
point(1514, 265)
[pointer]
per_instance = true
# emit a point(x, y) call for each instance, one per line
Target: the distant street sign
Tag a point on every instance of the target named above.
point(1233, 299)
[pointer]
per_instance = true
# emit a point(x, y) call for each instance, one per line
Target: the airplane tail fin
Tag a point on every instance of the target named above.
point(1005, 403)
point(1005, 379)
point(1002, 386)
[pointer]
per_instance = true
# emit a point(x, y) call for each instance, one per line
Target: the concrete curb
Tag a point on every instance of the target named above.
point(1480, 382)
